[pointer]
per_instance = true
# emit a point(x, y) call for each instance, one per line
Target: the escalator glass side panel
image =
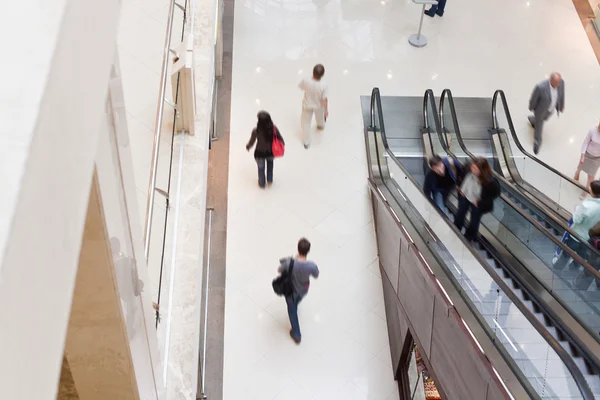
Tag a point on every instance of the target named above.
point(570, 287)
point(502, 319)
point(499, 316)
point(559, 189)
point(565, 279)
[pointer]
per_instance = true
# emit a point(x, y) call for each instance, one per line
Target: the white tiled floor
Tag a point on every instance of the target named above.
point(321, 193)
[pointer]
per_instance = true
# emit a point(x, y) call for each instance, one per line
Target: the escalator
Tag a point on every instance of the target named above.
point(558, 192)
point(524, 232)
point(482, 132)
point(579, 276)
point(513, 316)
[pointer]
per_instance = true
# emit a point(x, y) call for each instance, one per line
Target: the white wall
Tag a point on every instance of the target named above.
point(56, 69)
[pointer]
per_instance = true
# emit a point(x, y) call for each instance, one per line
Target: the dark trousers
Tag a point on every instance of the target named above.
point(439, 8)
point(537, 121)
point(292, 308)
point(465, 205)
point(261, 162)
point(564, 258)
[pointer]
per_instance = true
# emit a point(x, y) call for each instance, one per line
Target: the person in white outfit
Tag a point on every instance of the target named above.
point(314, 102)
point(590, 155)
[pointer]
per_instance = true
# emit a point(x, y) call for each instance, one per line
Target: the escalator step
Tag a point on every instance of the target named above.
point(547, 321)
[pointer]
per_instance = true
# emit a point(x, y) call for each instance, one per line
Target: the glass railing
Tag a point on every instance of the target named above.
point(540, 366)
point(159, 230)
point(559, 188)
point(521, 232)
point(534, 248)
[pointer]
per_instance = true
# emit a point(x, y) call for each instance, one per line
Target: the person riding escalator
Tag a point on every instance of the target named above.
point(443, 176)
point(586, 215)
point(477, 193)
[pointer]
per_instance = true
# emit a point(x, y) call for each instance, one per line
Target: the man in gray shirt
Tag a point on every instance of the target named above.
point(302, 270)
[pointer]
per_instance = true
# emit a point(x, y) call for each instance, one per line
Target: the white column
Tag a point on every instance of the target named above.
point(58, 59)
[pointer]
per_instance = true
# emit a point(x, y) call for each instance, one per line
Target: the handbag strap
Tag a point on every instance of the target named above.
point(291, 267)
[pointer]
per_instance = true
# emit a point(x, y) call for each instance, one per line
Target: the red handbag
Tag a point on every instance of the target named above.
point(278, 148)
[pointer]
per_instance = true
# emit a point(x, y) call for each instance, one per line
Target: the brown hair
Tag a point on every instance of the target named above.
point(303, 247)
point(485, 170)
point(595, 188)
point(435, 160)
point(318, 71)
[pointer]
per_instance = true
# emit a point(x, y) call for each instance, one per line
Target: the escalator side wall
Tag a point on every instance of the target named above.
point(414, 303)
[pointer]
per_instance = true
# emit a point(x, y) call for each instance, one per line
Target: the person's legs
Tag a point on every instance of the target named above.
point(473, 228)
point(564, 257)
point(306, 120)
point(590, 179)
point(438, 198)
point(270, 170)
point(260, 162)
point(292, 307)
point(578, 172)
point(320, 117)
point(431, 12)
point(537, 121)
point(538, 127)
point(440, 7)
point(463, 207)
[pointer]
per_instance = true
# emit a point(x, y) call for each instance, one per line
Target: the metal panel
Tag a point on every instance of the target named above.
point(397, 326)
point(416, 293)
point(460, 369)
point(389, 236)
point(452, 352)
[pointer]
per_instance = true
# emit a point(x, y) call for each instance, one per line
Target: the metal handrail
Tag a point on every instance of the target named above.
point(576, 257)
point(500, 93)
point(157, 132)
point(581, 347)
point(580, 380)
point(542, 208)
point(203, 395)
point(375, 98)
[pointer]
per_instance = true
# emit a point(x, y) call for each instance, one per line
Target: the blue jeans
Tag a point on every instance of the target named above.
point(564, 258)
point(439, 8)
point(261, 170)
point(438, 198)
point(292, 308)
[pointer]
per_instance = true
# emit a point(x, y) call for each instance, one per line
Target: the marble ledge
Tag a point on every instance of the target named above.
point(186, 305)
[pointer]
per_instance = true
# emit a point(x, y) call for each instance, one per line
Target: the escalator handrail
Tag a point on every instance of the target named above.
point(376, 99)
point(447, 94)
point(500, 93)
point(560, 351)
point(573, 368)
point(557, 221)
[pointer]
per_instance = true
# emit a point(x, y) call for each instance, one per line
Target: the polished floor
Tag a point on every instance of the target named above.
point(321, 193)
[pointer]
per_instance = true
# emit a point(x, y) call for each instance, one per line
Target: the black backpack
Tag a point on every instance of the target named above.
point(282, 285)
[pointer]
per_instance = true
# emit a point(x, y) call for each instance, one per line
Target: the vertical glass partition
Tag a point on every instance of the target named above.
point(159, 228)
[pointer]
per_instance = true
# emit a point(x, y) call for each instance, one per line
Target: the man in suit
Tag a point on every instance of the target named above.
point(547, 96)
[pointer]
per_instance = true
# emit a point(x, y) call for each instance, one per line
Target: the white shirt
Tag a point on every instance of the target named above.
point(314, 93)
point(471, 188)
point(553, 97)
point(591, 143)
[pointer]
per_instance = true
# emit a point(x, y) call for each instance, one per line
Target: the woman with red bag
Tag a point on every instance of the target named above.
point(269, 144)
